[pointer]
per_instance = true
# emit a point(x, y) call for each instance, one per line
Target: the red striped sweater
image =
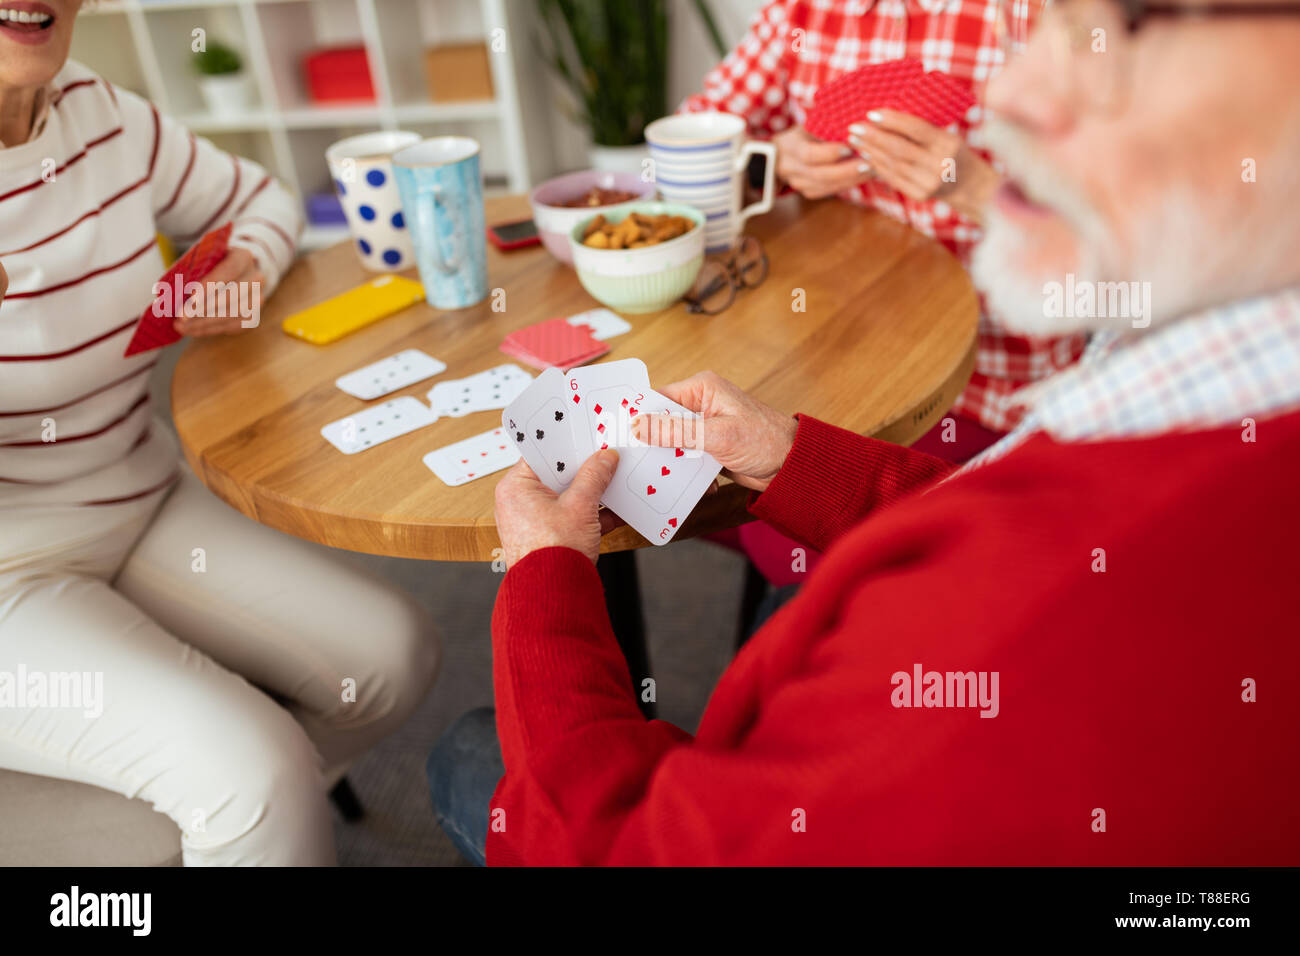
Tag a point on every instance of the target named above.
point(1121, 692)
point(80, 204)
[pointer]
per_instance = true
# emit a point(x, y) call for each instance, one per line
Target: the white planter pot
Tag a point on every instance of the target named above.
point(227, 95)
point(617, 159)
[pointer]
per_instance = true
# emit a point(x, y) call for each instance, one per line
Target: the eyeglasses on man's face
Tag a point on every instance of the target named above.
point(1091, 41)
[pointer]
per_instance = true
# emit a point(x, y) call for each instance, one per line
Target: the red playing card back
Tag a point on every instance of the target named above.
point(937, 98)
point(554, 342)
point(846, 99)
point(156, 328)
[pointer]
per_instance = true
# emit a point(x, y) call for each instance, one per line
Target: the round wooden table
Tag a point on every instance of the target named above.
point(862, 322)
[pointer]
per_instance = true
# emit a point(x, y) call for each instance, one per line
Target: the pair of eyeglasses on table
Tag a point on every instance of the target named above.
point(722, 276)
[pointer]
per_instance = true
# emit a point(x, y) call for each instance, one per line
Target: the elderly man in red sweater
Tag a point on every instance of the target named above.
point(1081, 647)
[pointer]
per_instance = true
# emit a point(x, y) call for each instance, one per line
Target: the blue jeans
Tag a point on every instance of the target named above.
point(465, 765)
point(772, 602)
point(464, 769)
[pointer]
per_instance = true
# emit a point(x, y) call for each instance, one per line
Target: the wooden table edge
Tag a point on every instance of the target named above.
point(478, 541)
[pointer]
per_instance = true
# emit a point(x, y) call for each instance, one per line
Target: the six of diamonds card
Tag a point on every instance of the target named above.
point(560, 420)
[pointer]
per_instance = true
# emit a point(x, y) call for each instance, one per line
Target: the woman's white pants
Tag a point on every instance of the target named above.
point(239, 669)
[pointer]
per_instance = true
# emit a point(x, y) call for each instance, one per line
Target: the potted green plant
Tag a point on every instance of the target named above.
point(222, 81)
point(613, 56)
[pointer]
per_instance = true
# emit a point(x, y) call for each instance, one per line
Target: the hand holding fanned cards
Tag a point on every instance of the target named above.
point(901, 85)
point(560, 420)
point(156, 328)
point(937, 98)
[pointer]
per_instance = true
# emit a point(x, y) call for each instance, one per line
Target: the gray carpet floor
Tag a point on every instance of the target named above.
point(691, 593)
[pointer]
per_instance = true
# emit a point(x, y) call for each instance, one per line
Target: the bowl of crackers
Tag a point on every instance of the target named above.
point(641, 257)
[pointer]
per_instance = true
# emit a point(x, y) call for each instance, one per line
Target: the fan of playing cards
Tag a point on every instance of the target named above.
point(901, 85)
point(560, 420)
point(555, 422)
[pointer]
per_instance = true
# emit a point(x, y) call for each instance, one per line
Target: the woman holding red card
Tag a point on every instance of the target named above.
point(172, 617)
point(935, 180)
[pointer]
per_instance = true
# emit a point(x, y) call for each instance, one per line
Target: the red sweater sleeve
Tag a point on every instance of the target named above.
point(589, 781)
point(833, 478)
point(812, 751)
point(564, 693)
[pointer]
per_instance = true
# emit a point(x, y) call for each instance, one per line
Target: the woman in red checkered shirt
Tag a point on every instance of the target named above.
point(896, 163)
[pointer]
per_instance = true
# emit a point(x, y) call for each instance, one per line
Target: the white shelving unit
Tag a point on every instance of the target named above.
point(145, 46)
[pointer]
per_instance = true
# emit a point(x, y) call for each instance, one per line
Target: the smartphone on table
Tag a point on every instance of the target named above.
point(513, 235)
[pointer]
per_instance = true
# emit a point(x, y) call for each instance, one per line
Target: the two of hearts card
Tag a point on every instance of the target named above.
point(561, 419)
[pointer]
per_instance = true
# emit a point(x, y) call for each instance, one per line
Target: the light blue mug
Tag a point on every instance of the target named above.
point(442, 198)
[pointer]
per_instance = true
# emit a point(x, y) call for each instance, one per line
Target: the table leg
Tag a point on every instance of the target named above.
point(623, 601)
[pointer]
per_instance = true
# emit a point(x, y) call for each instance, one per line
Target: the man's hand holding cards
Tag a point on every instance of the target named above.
point(560, 420)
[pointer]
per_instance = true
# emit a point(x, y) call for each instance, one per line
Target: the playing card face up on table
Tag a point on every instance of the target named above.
point(376, 424)
point(473, 458)
point(560, 420)
point(653, 497)
point(495, 388)
point(390, 374)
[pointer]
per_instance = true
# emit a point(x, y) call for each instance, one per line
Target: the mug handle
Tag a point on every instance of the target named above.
point(763, 203)
point(434, 205)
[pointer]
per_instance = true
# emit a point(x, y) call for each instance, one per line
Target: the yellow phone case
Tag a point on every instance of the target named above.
point(334, 318)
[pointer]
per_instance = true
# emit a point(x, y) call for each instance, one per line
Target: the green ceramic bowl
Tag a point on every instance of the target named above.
point(646, 279)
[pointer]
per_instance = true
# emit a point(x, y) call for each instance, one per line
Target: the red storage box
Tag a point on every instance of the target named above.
point(342, 73)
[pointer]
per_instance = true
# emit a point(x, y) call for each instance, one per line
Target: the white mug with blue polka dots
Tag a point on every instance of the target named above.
point(362, 170)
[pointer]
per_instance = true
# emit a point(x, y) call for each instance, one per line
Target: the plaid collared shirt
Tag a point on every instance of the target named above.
point(1214, 369)
point(793, 47)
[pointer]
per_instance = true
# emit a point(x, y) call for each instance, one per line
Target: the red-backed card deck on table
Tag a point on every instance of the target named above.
point(560, 420)
point(554, 342)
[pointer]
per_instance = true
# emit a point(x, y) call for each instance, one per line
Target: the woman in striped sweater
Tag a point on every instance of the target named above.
point(168, 610)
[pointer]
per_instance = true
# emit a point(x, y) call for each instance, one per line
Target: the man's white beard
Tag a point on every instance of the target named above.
point(1162, 254)
point(1171, 259)
point(1016, 298)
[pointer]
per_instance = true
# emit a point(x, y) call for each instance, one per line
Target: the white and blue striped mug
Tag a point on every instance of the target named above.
point(442, 195)
point(700, 159)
